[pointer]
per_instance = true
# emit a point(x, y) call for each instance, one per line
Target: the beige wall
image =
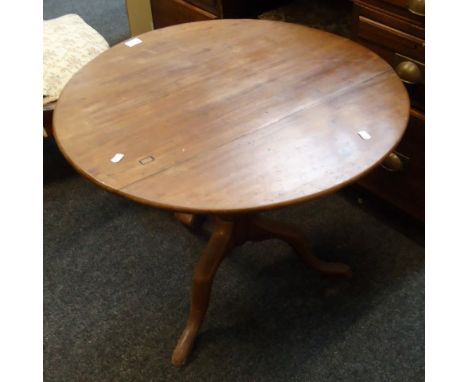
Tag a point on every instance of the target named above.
point(139, 16)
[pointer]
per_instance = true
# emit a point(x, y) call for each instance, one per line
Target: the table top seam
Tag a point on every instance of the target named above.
point(313, 104)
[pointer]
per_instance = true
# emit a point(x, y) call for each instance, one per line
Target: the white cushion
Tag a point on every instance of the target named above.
point(69, 44)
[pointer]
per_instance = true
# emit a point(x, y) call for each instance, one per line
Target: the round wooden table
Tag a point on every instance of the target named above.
point(229, 118)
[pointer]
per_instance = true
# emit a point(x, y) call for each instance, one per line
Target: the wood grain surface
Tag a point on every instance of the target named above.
point(230, 116)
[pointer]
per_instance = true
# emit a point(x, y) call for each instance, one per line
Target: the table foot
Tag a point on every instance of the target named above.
point(262, 228)
point(221, 242)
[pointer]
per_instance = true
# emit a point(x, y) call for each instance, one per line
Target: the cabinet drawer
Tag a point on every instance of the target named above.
point(208, 5)
point(392, 20)
point(400, 178)
point(391, 38)
point(416, 7)
point(171, 12)
point(409, 10)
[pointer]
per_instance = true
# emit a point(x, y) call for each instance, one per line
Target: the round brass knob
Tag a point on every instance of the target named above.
point(392, 163)
point(409, 72)
point(416, 7)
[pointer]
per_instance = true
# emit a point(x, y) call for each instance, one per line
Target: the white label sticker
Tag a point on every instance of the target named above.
point(133, 42)
point(117, 157)
point(364, 135)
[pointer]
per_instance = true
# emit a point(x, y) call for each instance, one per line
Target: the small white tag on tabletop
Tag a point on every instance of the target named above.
point(364, 135)
point(117, 157)
point(133, 42)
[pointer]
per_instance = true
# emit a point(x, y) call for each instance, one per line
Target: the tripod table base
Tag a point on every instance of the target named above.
point(229, 232)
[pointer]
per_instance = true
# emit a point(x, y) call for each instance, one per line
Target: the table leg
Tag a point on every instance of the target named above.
point(261, 228)
point(221, 242)
point(189, 220)
point(229, 232)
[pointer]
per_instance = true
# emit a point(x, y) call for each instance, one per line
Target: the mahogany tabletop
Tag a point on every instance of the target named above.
point(231, 116)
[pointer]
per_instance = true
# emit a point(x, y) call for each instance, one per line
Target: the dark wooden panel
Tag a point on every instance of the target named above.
point(398, 3)
point(246, 8)
point(211, 6)
point(392, 20)
point(397, 8)
point(405, 4)
point(391, 38)
point(171, 12)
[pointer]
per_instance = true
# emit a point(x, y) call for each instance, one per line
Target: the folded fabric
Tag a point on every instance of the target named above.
point(69, 44)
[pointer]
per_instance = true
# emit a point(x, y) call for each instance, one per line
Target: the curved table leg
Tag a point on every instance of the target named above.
point(261, 228)
point(221, 242)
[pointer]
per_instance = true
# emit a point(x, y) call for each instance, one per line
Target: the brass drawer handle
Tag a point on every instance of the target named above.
point(409, 72)
point(392, 163)
point(416, 7)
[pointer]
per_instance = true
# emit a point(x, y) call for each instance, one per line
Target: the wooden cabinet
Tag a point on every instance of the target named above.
point(394, 29)
point(170, 12)
point(400, 178)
